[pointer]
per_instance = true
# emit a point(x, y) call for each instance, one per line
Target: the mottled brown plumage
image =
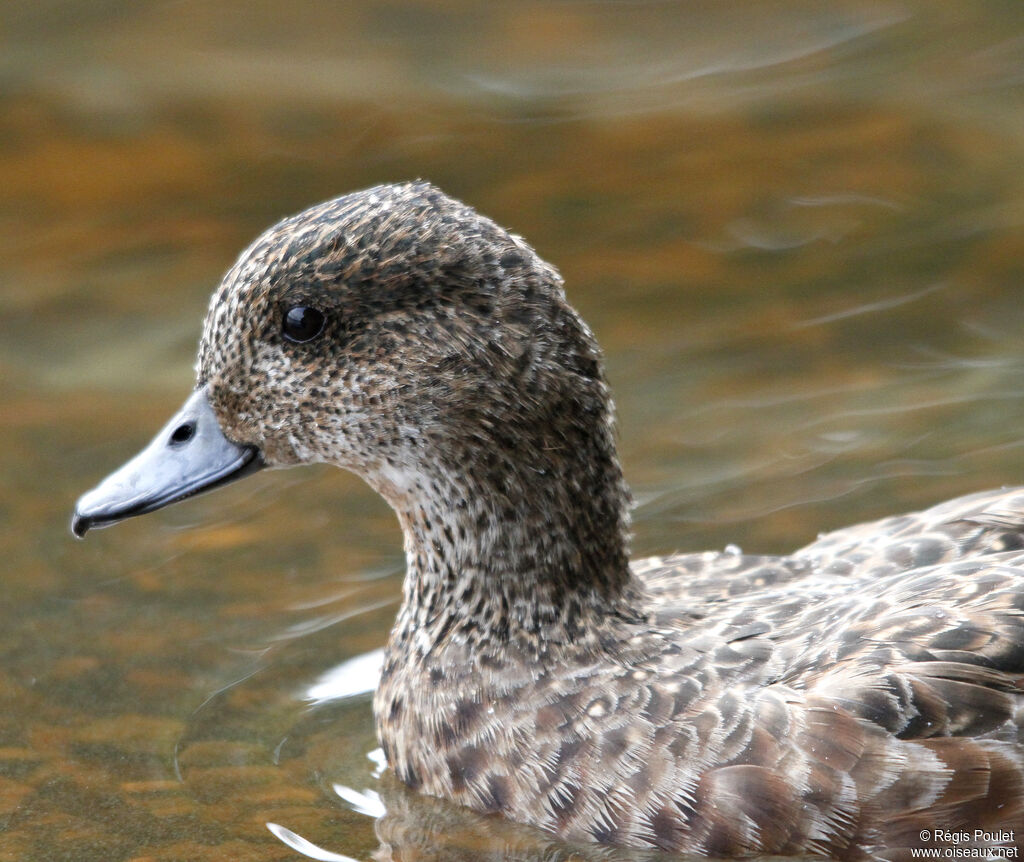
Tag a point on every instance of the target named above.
point(837, 701)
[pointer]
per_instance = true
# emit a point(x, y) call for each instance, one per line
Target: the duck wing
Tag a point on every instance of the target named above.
point(988, 522)
point(848, 709)
point(921, 676)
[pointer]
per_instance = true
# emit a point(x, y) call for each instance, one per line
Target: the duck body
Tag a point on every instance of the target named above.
point(842, 701)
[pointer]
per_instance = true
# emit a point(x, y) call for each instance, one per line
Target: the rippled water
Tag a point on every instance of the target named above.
point(797, 229)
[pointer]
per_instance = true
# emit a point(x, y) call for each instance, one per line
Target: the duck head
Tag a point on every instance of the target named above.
point(397, 333)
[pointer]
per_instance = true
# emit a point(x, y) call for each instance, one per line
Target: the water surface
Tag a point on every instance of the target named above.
point(796, 228)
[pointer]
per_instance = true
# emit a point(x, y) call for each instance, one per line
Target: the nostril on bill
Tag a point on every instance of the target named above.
point(183, 433)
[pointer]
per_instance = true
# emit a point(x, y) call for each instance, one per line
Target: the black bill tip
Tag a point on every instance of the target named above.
point(80, 525)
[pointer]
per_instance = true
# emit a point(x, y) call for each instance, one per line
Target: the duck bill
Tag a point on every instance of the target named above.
point(188, 456)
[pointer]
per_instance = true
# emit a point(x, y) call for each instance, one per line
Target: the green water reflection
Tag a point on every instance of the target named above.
point(797, 229)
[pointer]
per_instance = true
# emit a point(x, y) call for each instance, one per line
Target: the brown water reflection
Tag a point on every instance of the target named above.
point(797, 229)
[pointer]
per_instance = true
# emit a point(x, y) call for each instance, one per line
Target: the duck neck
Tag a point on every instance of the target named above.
point(501, 551)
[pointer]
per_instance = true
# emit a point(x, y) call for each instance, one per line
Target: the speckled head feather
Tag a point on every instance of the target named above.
point(844, 701)
point(450, 368)
point(420, 292)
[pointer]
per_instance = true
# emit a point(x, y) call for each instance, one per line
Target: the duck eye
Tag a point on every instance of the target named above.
point(303, 323)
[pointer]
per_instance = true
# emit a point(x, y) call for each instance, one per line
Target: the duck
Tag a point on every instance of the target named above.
point(859, 698)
